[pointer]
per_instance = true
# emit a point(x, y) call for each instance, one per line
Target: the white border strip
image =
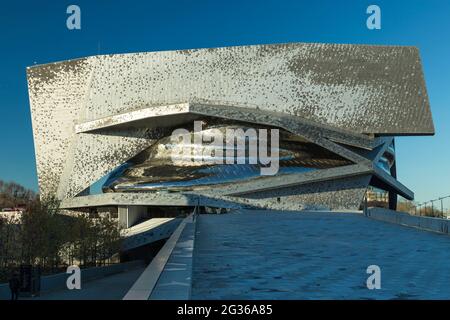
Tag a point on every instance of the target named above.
point(144, 285)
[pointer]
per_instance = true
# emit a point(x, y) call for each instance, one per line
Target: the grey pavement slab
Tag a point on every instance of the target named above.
point(315, 255)
point(113, 287)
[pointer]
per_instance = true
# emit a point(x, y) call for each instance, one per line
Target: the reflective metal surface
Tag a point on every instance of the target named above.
point(180, 162)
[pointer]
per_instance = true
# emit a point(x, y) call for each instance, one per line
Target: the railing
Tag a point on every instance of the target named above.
point(441, 208)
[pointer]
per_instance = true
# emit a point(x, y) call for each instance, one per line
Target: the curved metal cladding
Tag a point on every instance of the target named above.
point(92, 115)
point(163, 167)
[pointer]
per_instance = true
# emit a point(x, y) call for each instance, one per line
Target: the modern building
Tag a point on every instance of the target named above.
point(103, 126)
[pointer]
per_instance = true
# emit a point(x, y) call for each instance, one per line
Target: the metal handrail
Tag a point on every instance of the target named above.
point(441, 199)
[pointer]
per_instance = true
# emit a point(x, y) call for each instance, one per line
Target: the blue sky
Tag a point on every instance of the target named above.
point(35, 32)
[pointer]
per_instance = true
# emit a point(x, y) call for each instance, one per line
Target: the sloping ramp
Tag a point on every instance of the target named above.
point(148, 231)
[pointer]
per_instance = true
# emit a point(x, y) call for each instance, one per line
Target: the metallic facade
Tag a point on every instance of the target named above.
point(93, 115)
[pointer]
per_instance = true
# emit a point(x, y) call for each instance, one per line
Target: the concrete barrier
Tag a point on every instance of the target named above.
point(58, 281)
point(177, 284)
point(402, 218)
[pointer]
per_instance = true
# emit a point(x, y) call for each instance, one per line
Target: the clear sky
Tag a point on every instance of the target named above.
point(35, 32)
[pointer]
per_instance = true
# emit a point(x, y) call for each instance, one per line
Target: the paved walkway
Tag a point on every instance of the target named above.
point(273, 255)
point(113, 287)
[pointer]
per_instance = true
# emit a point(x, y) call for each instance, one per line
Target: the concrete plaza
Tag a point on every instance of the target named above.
point(316, 255)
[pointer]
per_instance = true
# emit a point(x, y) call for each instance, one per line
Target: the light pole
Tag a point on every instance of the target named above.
point(442, 206)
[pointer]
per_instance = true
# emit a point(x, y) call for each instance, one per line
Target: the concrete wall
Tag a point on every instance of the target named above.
point(135, 213)
point(169, 274)
point(175, 281)
point(425, 223)
point(130, 215)
point(58, 281)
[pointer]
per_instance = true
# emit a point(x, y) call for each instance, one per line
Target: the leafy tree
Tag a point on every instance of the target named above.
point(13, 195)
point(44, 236)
